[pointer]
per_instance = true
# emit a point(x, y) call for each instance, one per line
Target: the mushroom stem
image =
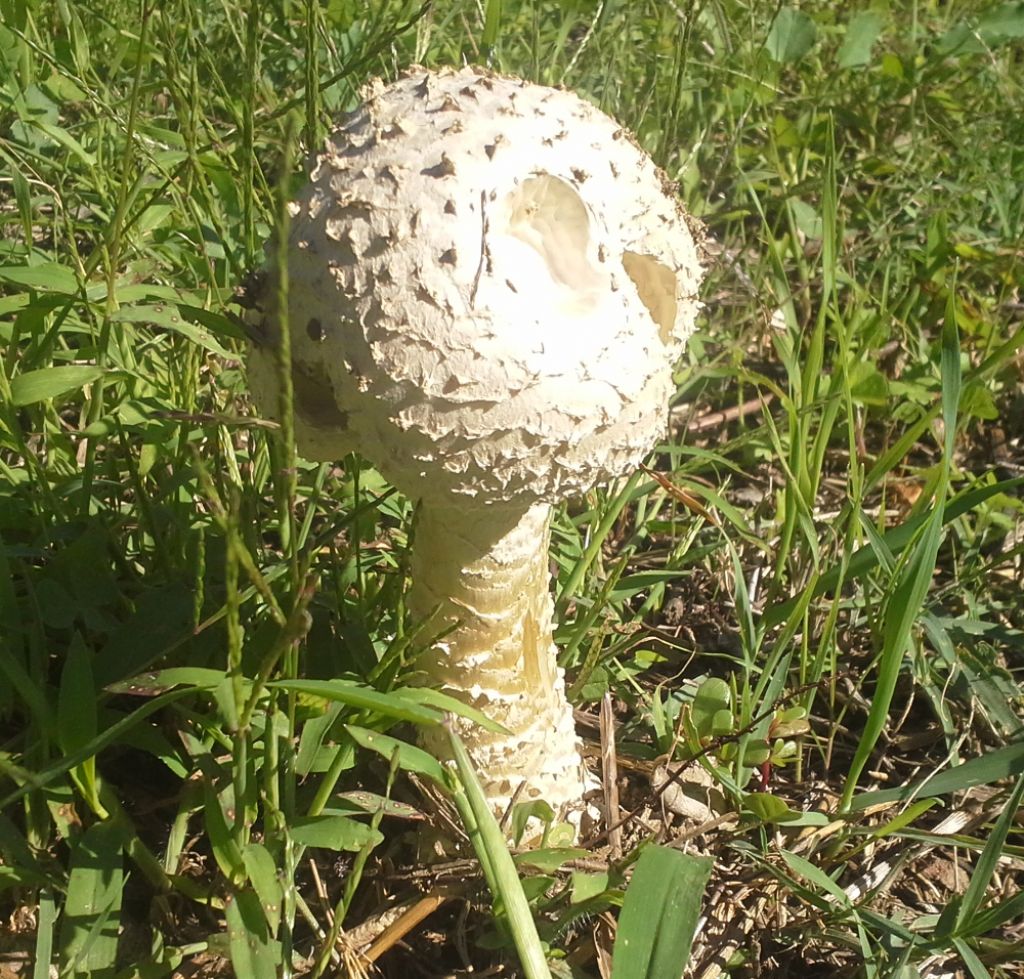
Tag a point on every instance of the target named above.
point(485, 573)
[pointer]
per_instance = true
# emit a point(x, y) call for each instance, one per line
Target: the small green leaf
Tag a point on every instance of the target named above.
point(585, 886)
point(549, 858)
point(523, 812)
point(768, 808)
point(712, 697)
point(51, 382)
point(861, 34)
point(792, 35)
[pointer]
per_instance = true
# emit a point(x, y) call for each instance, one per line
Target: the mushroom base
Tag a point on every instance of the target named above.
point(485, 575)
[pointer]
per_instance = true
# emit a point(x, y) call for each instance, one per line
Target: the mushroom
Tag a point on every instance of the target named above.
point(490, 284)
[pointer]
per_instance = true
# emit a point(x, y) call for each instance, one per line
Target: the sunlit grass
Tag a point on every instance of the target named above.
point(814, 586)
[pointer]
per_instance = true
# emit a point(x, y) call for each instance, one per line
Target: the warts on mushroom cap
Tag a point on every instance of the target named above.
point(524, 271)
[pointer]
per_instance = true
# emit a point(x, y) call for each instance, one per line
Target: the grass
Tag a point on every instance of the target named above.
point(207, 762)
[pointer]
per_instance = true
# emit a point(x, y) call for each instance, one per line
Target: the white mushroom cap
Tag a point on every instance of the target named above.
point(490, 285)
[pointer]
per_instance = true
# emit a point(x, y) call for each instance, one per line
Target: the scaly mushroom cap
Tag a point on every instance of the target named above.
point(490, 284)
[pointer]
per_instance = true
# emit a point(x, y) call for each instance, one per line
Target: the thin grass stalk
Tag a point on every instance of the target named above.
point(286, 478)
point(112, 252)
point(312, 89)
point(247, 146)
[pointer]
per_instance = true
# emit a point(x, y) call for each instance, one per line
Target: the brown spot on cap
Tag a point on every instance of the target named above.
point(491, 148)
point(445, 168)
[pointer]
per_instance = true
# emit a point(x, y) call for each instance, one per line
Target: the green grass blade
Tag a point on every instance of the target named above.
point(985, 867)
point(984, 770)
point(499, 868)
point(44, 935)
point(660, 914)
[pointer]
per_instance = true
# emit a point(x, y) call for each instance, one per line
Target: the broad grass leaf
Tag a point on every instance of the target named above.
point(222, 840)
point(46, 918)
point(63, 138)
point(633, 584)
point(913, 578)
point(262, 873)
point(792, 35)
point(254, 954)
point(46, 277)
point(115, 732)
point(426, 697)
point(659, 914)
point(334, 832)
point(861, 34)
point(970, 958)
point(163, 616)
point(51, 382)
point(214, 322)
point(1001, 24)
point(91, 919)
point(160, 681)
point(169, 317)
point(410, 758)
point(865, 559)
point(352, 694)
